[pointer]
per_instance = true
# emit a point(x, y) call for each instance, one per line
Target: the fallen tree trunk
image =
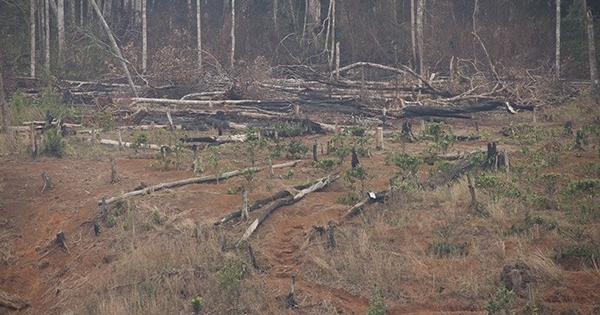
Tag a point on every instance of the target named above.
point(12, 301)
point(461, 112)
point(455, 171)
point(319, 184)
point(261, 202)
point(373, 197)
point(193, 180)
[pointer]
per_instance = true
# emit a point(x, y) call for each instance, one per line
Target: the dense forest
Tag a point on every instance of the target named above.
point(162, 41)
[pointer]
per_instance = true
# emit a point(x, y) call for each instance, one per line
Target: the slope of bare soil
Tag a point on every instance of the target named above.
point(387, 245)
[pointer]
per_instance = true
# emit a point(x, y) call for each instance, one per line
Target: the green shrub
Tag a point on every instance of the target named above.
point(140, 140)
point(197, 303)
point(501, 301)
point(54, 144)
point(377, 304)
point(442, 249)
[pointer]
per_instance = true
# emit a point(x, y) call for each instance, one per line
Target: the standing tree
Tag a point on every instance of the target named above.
point(60, 18)
point(199, 34)
point(419, 33)
point(46, 23)
point(557, 56)
point(32, 38)
point(232, 57)
point(144, 38)
point(589, 25)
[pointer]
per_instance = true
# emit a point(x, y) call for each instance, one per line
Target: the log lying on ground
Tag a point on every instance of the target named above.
point(193, 180)
point(455, 171)
point(319, 184)
point(373, 197)
point(261, 202)
point(463, 111)
point(12, 301)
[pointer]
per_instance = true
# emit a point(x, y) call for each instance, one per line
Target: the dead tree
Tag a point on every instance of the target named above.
point(330, 238)
point(61, 240)
point(290, 298)
point(472, 192)
point(47, 182)
point(114, 175)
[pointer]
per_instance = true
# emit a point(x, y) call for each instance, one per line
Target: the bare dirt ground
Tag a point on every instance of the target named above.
point(36, 269)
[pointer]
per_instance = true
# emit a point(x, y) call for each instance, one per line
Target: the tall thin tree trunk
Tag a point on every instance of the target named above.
point(199, 34)
point(71, 4)
point(232, 57)
point(413, 33)
point(420, 44)
point(47, 34)
point(589, 21)
point(60, 18)
point(275, 7)
point(332, 48)
point(557, 56)
point(114, 45)
point(3, 110)
point(144, 38)
point(32, 38)
point(80, 12)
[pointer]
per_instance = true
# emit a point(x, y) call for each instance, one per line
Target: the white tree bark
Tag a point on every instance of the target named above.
point(46, 19)
point(32, 48)
point(413, 33)
point(332, 48)
point(114, 45)
point(199, 34)
point(589, 21)
point(557, 55)
point(275, 7)
point(232, 57)
point(60, 18)
point(420, 44)
point(144, 38)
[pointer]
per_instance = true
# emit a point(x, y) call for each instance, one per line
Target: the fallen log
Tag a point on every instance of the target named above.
point(454, 171)
point(463, 111)
point(193, 180)
point(319, 184)
point(372, 197)
point(12, 301)
point(259, 203)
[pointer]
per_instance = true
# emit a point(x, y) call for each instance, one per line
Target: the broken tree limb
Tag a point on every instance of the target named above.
point(261, 202)
point(319, 184)
point(372, 197)
point(462, 111)
point(193, 180)
point(454, 171)
point(12, 301)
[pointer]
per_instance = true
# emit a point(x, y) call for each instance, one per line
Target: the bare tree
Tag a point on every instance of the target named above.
point(46, 19)
point(589, 23)
point(60, 18)
point(199, 34)
point(114, 45)
point(413, 33)
point(232, 57)
point(419, 33)
point(32, 6)
point(557, 56)
point(144, 38)
point(3, 110)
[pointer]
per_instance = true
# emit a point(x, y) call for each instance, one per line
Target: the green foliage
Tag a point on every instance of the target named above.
point(230, 277)
point(54, 145)
point(586, 186)
point(288, 175)
point(443, 249)
point(405, 161)
point(140, 140)
point(157, 217)
point(326, 164)
point(377, 304)
point(442, 135)
point(500, 302)
point(296, 149)
point(528, 222)
point(587, 253)
point(197, 303)
point(550, 182)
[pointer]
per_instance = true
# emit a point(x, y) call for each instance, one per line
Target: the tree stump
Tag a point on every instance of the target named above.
point(61, 240)
point(114, 175)
point(330, 238)
point(47, 183)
